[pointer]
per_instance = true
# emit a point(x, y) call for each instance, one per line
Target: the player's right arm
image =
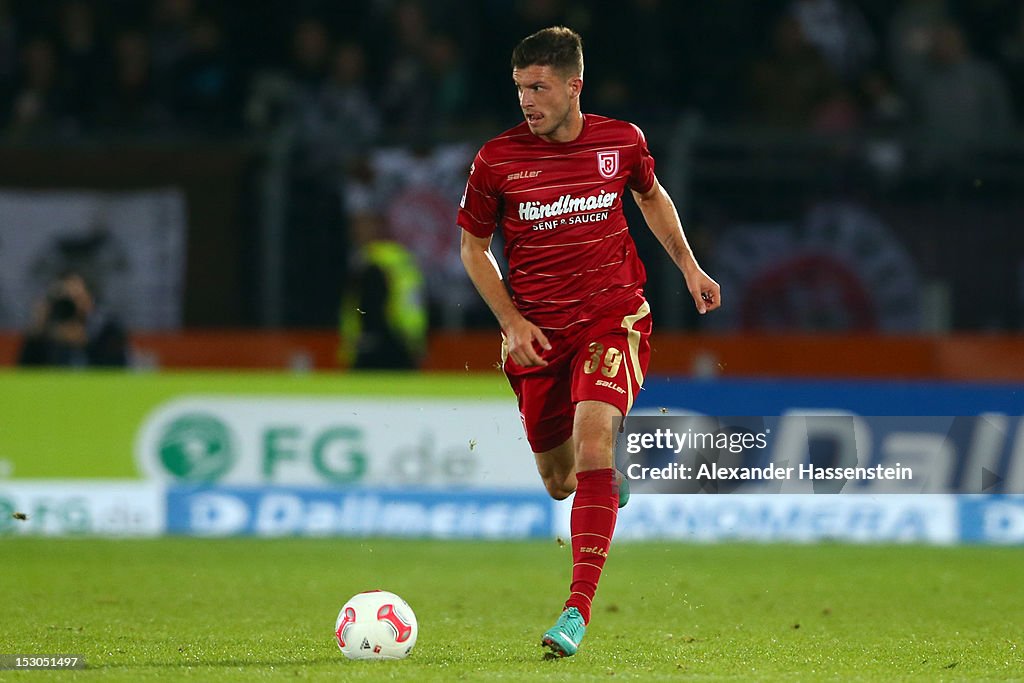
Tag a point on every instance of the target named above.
point(520, 333)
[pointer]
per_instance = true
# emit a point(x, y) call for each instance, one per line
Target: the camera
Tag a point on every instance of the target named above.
point(61, 306)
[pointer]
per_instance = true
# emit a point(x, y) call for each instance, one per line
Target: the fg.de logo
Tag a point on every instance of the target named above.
point(316, 441)
point(196, 447)
point(249, 442)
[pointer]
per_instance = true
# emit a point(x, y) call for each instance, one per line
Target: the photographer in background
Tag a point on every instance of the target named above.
point(69, 330)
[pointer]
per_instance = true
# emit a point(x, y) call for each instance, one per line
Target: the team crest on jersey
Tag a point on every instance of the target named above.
point(608, 163)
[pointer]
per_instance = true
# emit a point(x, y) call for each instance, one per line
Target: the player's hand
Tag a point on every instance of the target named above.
point(706, 293)
point(522, 338)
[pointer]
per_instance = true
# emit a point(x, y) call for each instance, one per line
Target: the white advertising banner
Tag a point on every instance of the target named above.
point(78, 508)
point(129, 245)
point(331, 442)
point(790, 518)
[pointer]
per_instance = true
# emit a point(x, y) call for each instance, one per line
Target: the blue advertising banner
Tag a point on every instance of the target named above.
point(992, 519)
point(777, 397)
point(823, 451)
point(931, 437)
point(480, 514)
point(283, 511)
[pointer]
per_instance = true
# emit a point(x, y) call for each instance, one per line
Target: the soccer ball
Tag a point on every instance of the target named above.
point(376, 625)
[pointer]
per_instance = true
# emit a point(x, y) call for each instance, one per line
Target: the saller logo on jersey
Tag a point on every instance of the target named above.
point(531, 211)
point(608, 163)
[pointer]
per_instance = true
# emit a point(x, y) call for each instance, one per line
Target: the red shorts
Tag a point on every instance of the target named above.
point(603, 360)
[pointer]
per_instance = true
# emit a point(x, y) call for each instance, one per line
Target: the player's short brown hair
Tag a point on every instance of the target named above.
point(558, 47)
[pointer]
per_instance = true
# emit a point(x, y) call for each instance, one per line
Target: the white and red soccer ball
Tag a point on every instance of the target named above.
point(376, 625)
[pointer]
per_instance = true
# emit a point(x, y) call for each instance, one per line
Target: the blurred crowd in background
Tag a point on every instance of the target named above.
point(80, 68)
point(356, 122)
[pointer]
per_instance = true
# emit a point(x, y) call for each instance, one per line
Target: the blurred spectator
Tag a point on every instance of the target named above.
point(634, 27)
point(171, 37)
point(129, 106)
point(1011, 55)
point(717, 50)
point(424, 75)
point(203, 85)
point(838, 112)
point(82, 59)
point(383, 313)
point(839, 31)
point(278, 96)
point(281, 97)
point(447, 79)
point(8, 44)
point(413, 193)
point(38, 105)
point(315, 134)
point(536, 14)
point(792, 81)
point(337, 121)
point(885, 108)
point(69, 329)
point(513, 19)
point(985, 22)
point(311, 47)
point(886, 115)
point(911, 30)
point(406, 91)
point(960, 101)
point(347, 109)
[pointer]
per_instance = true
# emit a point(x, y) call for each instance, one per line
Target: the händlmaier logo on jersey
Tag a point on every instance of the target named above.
point(567, 203)
point(608, 163)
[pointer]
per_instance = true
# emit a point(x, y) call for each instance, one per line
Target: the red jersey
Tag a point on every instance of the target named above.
point(559, 205)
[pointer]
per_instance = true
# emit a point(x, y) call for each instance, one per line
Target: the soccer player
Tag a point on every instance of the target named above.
point(575, 327)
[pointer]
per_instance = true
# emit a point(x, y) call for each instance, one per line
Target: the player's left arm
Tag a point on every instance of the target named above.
point(662, 218)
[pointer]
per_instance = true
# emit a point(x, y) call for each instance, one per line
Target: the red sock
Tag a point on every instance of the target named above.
point(594, 509)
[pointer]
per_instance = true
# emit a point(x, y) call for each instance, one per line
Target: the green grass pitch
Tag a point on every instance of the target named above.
point(248, 609)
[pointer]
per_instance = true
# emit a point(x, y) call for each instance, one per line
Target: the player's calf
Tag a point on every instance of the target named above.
point(558, 488)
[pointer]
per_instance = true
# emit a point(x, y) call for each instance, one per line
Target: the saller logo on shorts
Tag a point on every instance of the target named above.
point(531, 211)
point(610, 385)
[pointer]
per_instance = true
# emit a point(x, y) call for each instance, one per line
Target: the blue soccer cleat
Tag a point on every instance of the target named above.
point(563, 639)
